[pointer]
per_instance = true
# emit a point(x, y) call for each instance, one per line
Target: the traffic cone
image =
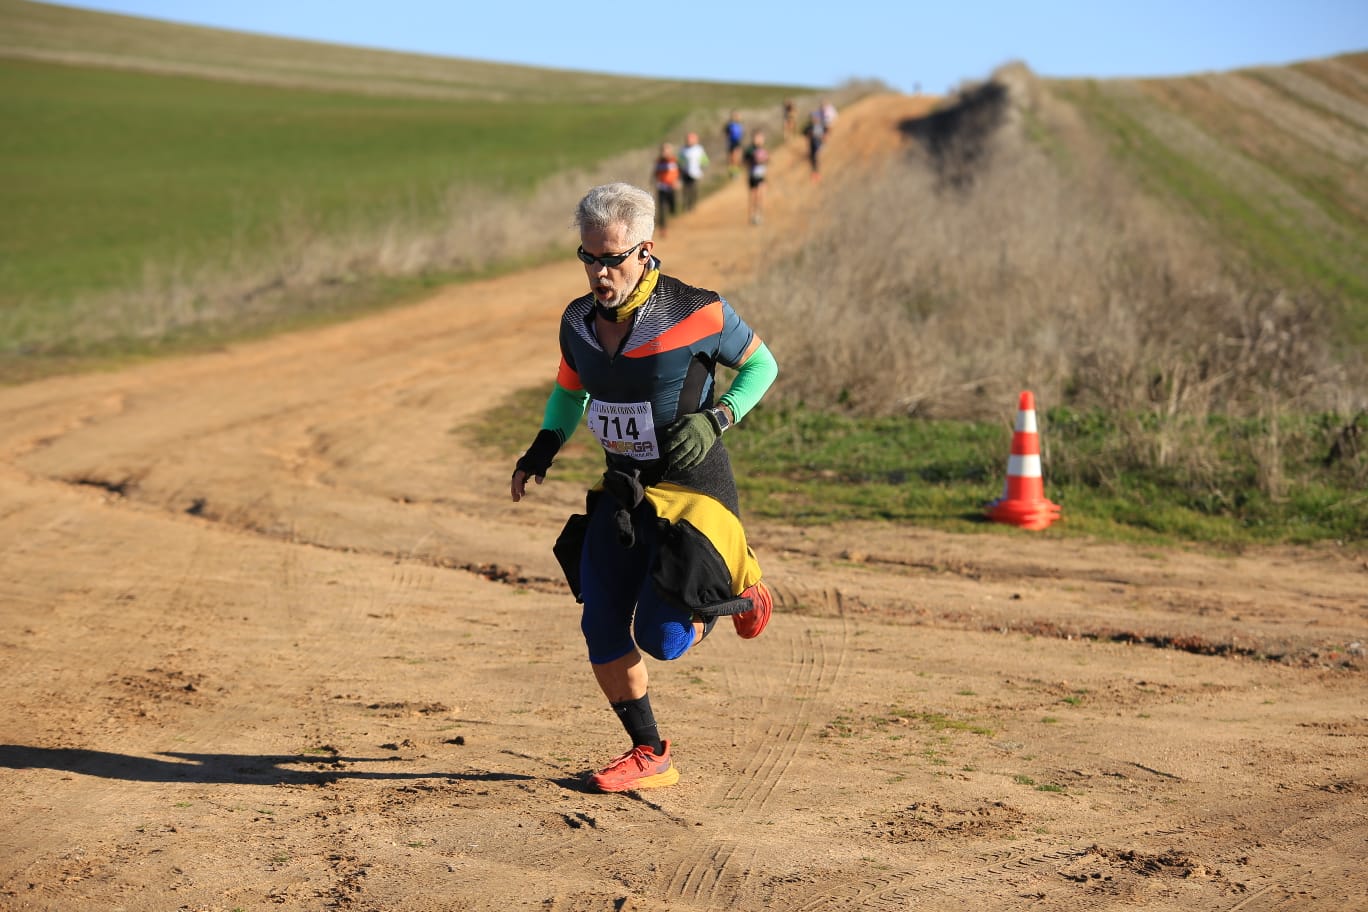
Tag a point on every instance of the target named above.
point(1023, 500)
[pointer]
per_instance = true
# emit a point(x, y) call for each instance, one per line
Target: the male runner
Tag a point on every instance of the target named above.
point(659, 553)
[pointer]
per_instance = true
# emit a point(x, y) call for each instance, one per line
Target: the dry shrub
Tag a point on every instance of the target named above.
point(984, 264)
point(305, 261)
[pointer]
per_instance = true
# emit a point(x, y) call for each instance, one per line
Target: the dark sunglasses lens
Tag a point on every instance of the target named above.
point(613, 259)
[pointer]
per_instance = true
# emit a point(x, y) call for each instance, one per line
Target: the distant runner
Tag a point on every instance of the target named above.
point(666, 175)
point(735, 133)
point(757, 169)
point(693, 160)
point(815, 131)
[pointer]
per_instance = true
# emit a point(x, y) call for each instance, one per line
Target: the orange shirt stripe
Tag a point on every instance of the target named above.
point(567, 377)
point(700, 324)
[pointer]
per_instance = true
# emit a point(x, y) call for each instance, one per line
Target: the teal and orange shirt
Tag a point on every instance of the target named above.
point(664, 370)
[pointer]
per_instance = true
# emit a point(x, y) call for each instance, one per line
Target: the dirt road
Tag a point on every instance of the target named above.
point(273, 636)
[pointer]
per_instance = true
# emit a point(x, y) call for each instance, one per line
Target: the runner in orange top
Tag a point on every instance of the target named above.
point(666, 174)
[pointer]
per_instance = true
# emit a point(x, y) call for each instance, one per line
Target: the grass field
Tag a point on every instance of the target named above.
point(1272, 160)
point(803, 466)
point(41, 31)
point(107, 170)
point(147, 160)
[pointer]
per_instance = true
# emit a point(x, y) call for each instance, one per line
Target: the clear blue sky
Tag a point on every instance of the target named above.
point(904, 44)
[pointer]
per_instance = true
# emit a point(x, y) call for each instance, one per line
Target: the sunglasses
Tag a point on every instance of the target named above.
point(608, 259)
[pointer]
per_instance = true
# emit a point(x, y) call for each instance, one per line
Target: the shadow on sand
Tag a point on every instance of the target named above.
point(241, 769)
point(956, 136)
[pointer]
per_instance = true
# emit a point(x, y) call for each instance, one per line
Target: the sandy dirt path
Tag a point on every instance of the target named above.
point(274, 637)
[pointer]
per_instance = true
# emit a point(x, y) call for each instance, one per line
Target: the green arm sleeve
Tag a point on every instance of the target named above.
point(753, 378)
point(564, 409)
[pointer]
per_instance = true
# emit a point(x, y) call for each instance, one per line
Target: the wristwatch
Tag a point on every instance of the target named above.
point(720, 415)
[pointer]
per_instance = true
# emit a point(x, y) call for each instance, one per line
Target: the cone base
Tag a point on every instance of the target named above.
point(1026, 514)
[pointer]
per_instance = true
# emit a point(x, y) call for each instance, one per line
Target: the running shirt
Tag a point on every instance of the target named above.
point(757, 159)
point(666, 173)
point(664, 370)
point(693, 159)
point(816, 128)
point(735, 132)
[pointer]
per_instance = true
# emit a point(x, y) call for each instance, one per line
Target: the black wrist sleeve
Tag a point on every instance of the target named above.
point(537, 460)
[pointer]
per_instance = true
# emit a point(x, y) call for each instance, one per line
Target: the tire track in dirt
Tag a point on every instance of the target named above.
point(812, 671)
point(714, 870)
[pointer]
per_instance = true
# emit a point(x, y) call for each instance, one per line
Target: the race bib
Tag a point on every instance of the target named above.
point(624, 428)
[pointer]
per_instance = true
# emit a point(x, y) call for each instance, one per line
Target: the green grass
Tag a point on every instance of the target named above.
point(939, 722)
point(107, 170)
point(1274, 243)
point(149, 45)
point(806, 467)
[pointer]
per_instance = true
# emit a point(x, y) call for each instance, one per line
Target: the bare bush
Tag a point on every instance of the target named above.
point(921, 298)
point(987, 264)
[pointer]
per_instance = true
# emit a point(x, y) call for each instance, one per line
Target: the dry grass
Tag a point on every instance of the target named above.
point(472, 231)
point(952, 280)
point(57, 34)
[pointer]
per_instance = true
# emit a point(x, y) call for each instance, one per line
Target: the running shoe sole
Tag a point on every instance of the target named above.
point(659, 780)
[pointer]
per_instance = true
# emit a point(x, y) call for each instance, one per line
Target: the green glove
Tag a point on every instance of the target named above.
point(689, 439)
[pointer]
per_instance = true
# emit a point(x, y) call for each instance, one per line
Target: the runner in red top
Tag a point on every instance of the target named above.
point(666, 175)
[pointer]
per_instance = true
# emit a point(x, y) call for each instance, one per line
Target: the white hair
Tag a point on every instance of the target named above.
point(617, 204)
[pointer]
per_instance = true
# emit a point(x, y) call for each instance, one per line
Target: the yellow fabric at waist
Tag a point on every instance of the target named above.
point(709, 516)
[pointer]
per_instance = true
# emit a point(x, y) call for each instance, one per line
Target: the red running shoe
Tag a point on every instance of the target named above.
point(750, 623)
point(639, 768)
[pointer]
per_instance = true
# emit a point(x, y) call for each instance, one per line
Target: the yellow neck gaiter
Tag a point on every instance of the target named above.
point(623, 312)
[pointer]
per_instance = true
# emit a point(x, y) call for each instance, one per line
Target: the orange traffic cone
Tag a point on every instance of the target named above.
point(1023, 500)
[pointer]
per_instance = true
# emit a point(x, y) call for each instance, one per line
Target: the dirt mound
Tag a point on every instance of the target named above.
point(957, 135)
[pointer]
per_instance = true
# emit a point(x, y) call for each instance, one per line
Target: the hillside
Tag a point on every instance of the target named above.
point(79, 37)
point(1271, 158)
point(170, 186)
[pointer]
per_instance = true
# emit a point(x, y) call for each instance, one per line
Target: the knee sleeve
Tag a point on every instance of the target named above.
point(662, 631)
point(665, 640)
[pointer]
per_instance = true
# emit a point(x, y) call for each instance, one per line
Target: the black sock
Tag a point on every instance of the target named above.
point(640, 723)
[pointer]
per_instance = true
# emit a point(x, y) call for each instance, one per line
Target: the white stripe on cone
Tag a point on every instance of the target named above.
point(1023, 466)
point(1026, 421)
